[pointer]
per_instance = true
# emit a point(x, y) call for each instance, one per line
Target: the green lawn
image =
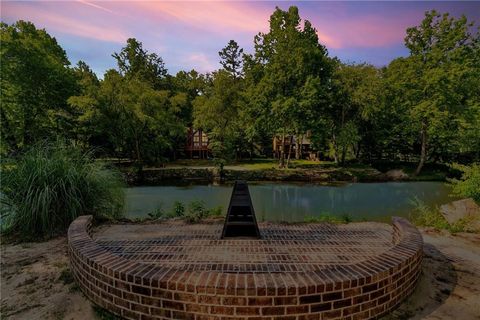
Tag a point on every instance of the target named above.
point(255, 164)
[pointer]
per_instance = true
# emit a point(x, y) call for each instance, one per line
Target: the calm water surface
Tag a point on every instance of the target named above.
point(292, 202)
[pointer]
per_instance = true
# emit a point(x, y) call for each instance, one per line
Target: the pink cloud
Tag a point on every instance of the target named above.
point(215, 16)
point(201, 62)
point(221, 17)
point(55, 20)
point(108, 21)
point(328, 40)
point(362, 31)
point(193, 32)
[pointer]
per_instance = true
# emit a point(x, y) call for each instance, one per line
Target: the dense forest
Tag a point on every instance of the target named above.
point(421, 108)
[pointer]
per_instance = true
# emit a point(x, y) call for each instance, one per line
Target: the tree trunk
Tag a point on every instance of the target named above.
point(289, 151)
point(137, 148)
point(423, 152)
point(357, 150)
point(298, 146)
point(335, 151)
point(282, 152)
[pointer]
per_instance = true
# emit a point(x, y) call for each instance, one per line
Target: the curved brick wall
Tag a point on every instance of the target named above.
point(135, 290)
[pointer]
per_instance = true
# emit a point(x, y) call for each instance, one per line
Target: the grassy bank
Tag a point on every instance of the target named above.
point(268, 170)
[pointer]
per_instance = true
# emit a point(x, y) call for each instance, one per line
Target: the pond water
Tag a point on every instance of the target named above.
point(293, 202)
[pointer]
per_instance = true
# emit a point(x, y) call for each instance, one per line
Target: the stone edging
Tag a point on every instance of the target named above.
point(135, 290)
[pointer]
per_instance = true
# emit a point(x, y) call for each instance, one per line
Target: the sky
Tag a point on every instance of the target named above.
point(188, 35)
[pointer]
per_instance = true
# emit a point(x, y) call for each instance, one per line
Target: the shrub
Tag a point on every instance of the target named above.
point(178, 209)
point(52, 184)
point(158, 213)
point(469, 184)
point(196, 211)
point(328, 217)
point(216, 212)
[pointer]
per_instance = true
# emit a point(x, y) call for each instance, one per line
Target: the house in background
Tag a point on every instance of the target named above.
point(299, 147)
point(197, 146)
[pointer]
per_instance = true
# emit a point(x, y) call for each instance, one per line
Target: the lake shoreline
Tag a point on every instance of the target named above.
point(162, 176)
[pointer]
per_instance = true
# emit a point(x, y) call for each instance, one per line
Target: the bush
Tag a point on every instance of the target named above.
point(329, 218)
point(216, 212)
point(196, 211)
point(52, 184)
point(178, 209)
point(469, 184)
point(157, 213)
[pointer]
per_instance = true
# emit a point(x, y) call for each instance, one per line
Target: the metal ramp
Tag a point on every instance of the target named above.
point(240, 220)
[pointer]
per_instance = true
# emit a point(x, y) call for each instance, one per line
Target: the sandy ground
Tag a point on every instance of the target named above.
point(36, 282)
point(449, 287)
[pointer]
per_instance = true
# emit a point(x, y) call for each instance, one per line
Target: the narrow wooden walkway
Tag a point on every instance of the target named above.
point(240, 220)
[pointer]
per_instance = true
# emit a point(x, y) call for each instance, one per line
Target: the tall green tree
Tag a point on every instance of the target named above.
point(85, 104)
point(289, 71)
point(356, 99)
point(435, 80)
point(35, 84)
point(126, 114)
point(191, 84)
point(217, 111)
point(141, 122)
point(231, 59)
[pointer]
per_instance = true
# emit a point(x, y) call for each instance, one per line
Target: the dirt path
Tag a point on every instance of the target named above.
point(36, 282)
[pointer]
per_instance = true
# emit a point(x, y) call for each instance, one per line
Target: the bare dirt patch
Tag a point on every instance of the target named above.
point(36, 282)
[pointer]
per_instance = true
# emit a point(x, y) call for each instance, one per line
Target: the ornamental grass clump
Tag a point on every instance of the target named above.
point(50, 185)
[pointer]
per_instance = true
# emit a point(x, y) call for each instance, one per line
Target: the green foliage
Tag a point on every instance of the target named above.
point(196, 211)
point(357, 92)
point(35, 84)
point(50, 185)
point(131, 118)
point(216, 211)
point(287, 78)
point(329, 218)
point(468, 185)
point(423, 107)
point(231, 59)
point(217, 112)
point(158, 213)
point(178, 209)
point(434, 86)
point(423, 215)
point(134, 62)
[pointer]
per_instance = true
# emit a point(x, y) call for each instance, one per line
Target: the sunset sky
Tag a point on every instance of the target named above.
point(189, 34)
